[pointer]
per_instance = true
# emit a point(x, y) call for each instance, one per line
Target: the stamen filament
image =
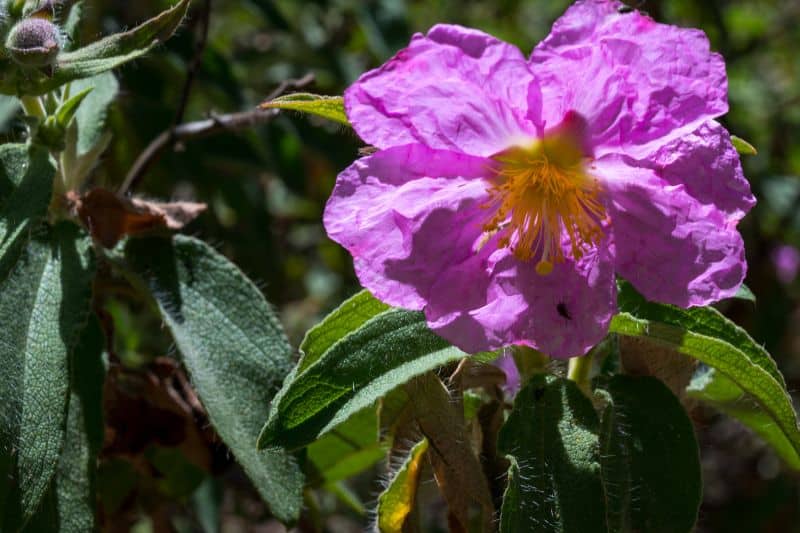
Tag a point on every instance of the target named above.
point(540, 193)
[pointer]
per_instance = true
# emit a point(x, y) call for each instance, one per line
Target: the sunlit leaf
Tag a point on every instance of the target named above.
point(551, 439)
point(329, 107)
point(742, 146)
point(706, 335)
point(387, 350)
point(103, 55)
point(713, 388)
point(348, 317)
point(397, 501)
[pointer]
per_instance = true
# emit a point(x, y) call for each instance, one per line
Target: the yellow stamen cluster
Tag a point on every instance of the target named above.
point(538, 192)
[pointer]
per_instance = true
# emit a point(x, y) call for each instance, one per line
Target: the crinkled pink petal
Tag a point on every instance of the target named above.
point(708, 166)
point(636, 81)
point(563, 314)
point(456, 88)
point(672, 247)
point(406, 214)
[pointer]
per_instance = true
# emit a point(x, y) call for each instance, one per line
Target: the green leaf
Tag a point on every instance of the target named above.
point(207, 506)
point(44, 304)
point(349, 449)
point(650, 465)
point(551, 438)
point(706, 335)
point(71, 27)
point(71, 502)
point(66, 111)
point(26, 184)
point(329, 107)
point(104, 55)
point(397, 501)
point(87, 137)
point(233, 347)
point(9, 109)
point(93, 113)
point(744, 293)
point(77, 474)
point(386, 351)
point(742, 146)
point(705, 321)
point(344, 319)
point(713, 388)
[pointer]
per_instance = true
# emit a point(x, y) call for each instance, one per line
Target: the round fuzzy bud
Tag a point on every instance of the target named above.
point(34, 42)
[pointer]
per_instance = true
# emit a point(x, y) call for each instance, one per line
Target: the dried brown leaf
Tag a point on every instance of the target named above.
point(109, 217)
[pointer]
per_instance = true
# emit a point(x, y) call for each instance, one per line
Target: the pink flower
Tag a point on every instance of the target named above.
point(786, 259)
point(507, 193)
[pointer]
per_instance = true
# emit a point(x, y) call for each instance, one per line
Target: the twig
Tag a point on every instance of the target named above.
point(194, 66)
point(292, 83)
point(204, 128)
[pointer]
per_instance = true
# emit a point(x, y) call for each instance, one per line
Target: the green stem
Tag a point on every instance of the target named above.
point(580, 369)
point(33, 107)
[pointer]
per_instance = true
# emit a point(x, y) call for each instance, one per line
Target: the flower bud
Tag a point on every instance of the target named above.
point(34, 42)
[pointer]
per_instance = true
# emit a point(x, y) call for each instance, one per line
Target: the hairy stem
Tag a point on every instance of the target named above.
point(33, 107)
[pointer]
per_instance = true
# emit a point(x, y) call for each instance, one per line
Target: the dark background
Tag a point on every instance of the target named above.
point(266, 189)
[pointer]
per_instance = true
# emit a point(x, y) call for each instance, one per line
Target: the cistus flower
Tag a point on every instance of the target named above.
point(507, 193)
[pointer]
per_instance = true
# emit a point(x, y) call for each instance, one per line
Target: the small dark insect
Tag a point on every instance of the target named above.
point(538, 393)
point(563, 311)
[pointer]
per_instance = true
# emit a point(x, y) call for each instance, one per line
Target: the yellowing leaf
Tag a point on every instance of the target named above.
point(329, 107)
point(742, 146)
point(397, 501)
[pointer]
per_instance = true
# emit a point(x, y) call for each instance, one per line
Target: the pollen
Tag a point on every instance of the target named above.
point(540, 193)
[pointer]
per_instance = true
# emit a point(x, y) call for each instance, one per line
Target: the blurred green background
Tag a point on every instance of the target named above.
point(266, 189)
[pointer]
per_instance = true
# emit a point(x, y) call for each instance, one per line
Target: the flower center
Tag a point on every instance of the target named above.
point(541, 191)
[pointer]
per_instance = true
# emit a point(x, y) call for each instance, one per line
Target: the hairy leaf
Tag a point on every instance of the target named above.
point(344, 319)
point(397, 501)
point(650, 465)
point(386, 351)
point(349, 449)
point(713, 388)
point(103, 55)
point(551, 438)
point(26, 183)
point(329, 107)
point(9, 109)
point(71, 503)
point(92, 114)
point(44, 304)
point(234, 348)
point(709, 337)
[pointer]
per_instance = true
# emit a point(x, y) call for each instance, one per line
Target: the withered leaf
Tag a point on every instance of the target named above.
point(109, 217)
point(456, 467)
